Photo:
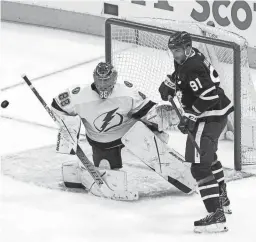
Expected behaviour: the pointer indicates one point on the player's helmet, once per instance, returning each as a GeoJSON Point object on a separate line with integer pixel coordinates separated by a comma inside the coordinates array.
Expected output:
{"type": "Point", "coordinates": [179, 39]}
{"type": "Point", "coordinates": [105, 77]}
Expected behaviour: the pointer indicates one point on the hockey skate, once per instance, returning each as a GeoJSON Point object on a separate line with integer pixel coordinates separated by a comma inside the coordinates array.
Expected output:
{"type": "Point", "coordinates": [224, 200]}
{"type": "Point", "coordinates": [213, 223]}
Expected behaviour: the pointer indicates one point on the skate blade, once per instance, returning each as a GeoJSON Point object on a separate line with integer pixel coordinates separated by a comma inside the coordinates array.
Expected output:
{"type": "Point", "coordinates": [227, 210]}
{"type": "Point", "coordinates": [213, 228]}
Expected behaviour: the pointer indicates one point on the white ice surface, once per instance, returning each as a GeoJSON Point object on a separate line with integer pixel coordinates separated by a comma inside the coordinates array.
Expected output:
{"type": "Point", "coordinates": [32, 213]}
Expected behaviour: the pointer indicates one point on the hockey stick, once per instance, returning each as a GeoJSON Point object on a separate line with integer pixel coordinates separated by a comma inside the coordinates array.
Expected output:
{"type": "Point", "coordinates": [190, 136]}
{"type": "Point", "coordinates": [104, 188]}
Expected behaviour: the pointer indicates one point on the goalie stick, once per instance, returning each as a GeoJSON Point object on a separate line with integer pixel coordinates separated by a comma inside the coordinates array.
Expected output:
{"type": "Point", "coordinates": [180, 117]}
{"type": "Point", "coordinates": [106, 191]}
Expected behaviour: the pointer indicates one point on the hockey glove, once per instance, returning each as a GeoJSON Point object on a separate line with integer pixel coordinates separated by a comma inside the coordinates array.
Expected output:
{"type": "Point", "coordinates": [187, 122]}
{"type": "Point", "coordinates": [160, 116]}
{"type": "Point", "coordinates": [167, 88]}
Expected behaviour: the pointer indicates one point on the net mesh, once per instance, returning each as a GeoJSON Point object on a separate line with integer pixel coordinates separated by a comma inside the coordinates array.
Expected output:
{"type": "Point", "coordinates": [142, 58]}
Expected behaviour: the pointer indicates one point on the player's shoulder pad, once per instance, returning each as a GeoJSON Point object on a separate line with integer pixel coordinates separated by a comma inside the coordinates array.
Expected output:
{"type": "Point", "coordinates": [128, 84]}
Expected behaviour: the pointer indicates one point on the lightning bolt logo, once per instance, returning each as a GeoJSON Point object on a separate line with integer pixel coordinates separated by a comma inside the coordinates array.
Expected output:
{"type": "Point", "coordinates": [110, 115]}
{"type": "Point", "coordinates": [108, 120]}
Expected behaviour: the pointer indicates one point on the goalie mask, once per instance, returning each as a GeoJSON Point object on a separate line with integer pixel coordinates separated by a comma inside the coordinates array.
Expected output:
{"type": "Point", "coordinates": [179, 45]}
{"type": "Point", "coordinates": [105, 77]}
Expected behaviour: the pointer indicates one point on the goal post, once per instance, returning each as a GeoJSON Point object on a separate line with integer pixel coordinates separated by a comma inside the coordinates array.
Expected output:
{"type": "Point", "coordinates": [137, 47]}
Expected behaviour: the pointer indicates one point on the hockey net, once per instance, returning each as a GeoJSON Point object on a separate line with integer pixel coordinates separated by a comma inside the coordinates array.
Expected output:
{"type": "Point", "coordinates": [141, 56]}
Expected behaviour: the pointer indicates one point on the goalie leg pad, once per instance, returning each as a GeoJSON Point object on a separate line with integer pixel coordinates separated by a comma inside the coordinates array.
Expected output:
{"type": "Point", "coordinates": [76, 176]}
{"type": "Point", "coordinates": [115, 179]}
{"type": "Point", "coordinates": [158, 156]}
{"type": "Point", "coordinates": [71, 174]}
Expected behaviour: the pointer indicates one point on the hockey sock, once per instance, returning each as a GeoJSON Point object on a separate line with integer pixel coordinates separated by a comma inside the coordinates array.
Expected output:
{"type": "Point", "coordinates": [209, 191]}
{"type": "Point", "coordinates": [217, 171]}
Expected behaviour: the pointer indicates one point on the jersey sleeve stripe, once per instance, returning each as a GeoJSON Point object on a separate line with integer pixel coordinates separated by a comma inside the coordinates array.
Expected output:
{"type": "Point", "coordinates": [228, 109]}
{"type": "Point", "coordinates": [209, 98]}
{"type": "Point", "coordinates": [207, 91]}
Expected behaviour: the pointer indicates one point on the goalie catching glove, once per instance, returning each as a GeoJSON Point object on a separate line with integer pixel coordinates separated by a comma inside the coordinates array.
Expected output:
{"type": "Point", "coordinates": [161, 115]}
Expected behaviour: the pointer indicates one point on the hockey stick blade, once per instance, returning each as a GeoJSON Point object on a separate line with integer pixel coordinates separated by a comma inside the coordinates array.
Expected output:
{"type": "Point", "coordinates": [106, 191]}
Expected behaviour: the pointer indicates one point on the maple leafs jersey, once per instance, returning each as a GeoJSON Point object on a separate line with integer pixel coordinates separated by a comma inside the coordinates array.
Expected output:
{"type": "Point", "coordinates": [199, 86]}
{"type": "Point", "coordinates": [105, 120]}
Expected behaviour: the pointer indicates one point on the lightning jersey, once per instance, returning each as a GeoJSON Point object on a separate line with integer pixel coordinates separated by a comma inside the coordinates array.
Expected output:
{"type": "Point", "coordinates": [199, 86]}
{"type": "Point", "coordinates": [105, 120]}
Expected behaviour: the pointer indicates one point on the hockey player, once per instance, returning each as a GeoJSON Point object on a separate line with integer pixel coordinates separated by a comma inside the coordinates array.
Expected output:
{"type": "Point", "coordinates": [107, 110]}
{"type": "Point", "coordinates": [206, 108]}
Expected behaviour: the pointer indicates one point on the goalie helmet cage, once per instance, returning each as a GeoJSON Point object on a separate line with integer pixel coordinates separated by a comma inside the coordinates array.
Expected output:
{"type": "Point", "coordinates": [138, 50]}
